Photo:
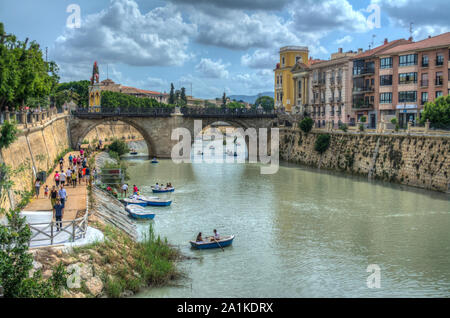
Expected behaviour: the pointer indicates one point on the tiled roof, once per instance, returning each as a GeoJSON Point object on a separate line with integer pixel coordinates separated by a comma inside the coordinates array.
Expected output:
{"type": "Point", "coordinates": [380, 49]}
{"type": "Point", "coordinates": [436, 41]}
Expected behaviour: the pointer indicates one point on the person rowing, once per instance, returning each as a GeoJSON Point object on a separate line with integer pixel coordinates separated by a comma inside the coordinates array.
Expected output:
{"type": "Point", "coordinates": [216, 236]}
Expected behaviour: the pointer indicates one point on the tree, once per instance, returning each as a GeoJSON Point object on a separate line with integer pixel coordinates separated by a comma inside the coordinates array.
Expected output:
{"type": "Point", "coordinates": [437, 112]}
{"type": "Point", "coordinates": [235, 105]}
{"type": "Point", "coordinates": [266, 102]}
{"type": "Point", "coordinates": [77, 91]}
{"type": "Point", "coordinates": [118, 146]}
{"type": "Point", "coordinates": [224, 100]}
{"type": "Point", "coordinates": [183, 97]}
{"type": "Point", "coordinates": [8, 132]}
{"type": "Point", "coordinates": [172, 95]}
{"type": "Point", "coordinates": [306, 125]}
{"type": "Point", "coordinates": [322, 143]}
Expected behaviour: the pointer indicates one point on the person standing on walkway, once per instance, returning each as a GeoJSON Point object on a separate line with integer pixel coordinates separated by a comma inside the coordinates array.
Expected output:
{"type": "Point", "coordinates": [37, 186]}
{"type": "Point", "coordinates": [125, 190]}
{"type": "Point", "coordinates": [53, 197]}
{"type": "Point", "coordinates": [62, 178]}
{"type": "Point", "coordinates": [69, 176]}
{"type": "Point", "coordinates": [87, 175]}
{"type": "Point", "coordinates": [74, 177]}
{"type": "Point", "coordinates": [63, 196]}
{"type": "Point", "coordinates": [57, 178]}
{"type": "Point", "coordinates": [59, 212]}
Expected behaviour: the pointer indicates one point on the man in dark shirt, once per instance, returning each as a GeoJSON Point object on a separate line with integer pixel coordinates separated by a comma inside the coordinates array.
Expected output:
{"type": "Point", "coordinates": [59, 212]}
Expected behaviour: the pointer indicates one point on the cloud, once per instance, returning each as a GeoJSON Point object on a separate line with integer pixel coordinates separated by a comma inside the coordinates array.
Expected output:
{"type": "Point", "coordinates": [236, 4]}
{"type": "Point", "coordinates": [212, 69]}
{"type": "Point", "coordinates": [345, 39]}
{"type": "Point", "coordinates": [122, 34]}
{"type": "Point", "coordinates": [327, 16]}
{"type": "Point", "coordinates": [260, 59]}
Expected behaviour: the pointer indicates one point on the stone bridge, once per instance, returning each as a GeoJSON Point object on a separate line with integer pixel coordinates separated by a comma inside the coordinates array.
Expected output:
{"type": "Point", "coordinates": [156, 125]}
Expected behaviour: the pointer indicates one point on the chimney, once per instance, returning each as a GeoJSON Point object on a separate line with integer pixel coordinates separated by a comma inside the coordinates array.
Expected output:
{"type": "Point", "coordinates": [429, 36]}
{"type": "Point", "coordinates": [340, 50]}
{"type": "Point", "coordinates": [386, 41]}
{"type": "Point", "coordinates": [410, 39]}
{"type": "Point", "coordinates": [360, 50]}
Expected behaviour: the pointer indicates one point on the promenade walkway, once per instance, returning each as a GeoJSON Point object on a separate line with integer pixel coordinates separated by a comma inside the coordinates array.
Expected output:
{"type": "Point", "coordinates": [76, 196]}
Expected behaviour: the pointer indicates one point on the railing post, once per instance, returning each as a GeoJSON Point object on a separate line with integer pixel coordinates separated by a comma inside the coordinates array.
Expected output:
{"type": "Point", "coordinates": [51, 233]}
{"type": "Point", "coordinates": [73, 231]}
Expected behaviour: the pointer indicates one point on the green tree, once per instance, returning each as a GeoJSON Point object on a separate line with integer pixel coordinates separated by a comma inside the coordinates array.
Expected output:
{"type": "Point", "coordinates": [266, 102]}
{"type": "Point", "coordinates": [322, 143]}
{"type": "Point", "coordinates": [172, 95]}
{"type": "Point", "coordinates": [306, 124]}
{"type": "Point", "coordinates": [183, 98]}
{"type": "Point", "coordinates": [119, 146]}
{"type": "Point", "coordinates": [8, 134]}
{"type": "Point", "coordinates": [77, 91]}
{"type": "Point", "coordinates": [437, 112]}
{"type": "Point", "coordinates": [224, 100]}
{"type": "Point", "coordinates": [235, 105]}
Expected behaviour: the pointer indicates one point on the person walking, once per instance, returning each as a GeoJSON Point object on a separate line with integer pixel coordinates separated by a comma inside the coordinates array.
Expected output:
{"type": "Point", "coordinates": [57, 178]}
{"type": "Point", "coordinates": [87, 174]}
{"type": "Point", "coordinates": [58, 209]}
{"type": "Point", "coordinates": [53, 197]}
{"type": "Point", "coordinates": [62, 178]}
{"type": "Point", "coordinates": [74, 177]}
{"type": "Point", "coordinates": [125, 190]}
{"type": "Point", "coordinates": [62, 193]}
{"type": "Point", "coordinates": [37, 186]}
{"type": "Point", "coordinates": [69, 176]}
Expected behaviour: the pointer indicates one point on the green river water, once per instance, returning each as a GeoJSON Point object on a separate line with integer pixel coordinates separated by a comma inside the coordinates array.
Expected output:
{"type": "Point", "coordinates": [299, 233]}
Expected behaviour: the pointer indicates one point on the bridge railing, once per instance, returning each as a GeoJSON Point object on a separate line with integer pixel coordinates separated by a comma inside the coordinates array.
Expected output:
{"type": "Point", "coordinates": [129, 111]}
{"type": "Point", "coordinates": [226, 113]}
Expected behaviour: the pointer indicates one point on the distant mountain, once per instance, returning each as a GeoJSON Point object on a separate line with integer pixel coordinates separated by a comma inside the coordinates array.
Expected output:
{"type": "Point", "coordinates": [250, 99]}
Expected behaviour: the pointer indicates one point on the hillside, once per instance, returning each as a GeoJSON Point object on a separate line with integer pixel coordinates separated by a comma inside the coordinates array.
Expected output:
{"type": "Point", "coordinates": [250, 99]}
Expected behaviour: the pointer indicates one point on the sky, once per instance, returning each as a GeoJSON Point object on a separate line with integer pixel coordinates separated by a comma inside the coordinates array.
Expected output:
{"type": "Point", "coordinates": [210, 46]}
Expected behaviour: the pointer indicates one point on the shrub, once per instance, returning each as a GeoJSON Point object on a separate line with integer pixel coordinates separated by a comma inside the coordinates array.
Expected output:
{"type": "Point", "coordinates": [343, 127]}
{"type": "Point", "coordinates": [395, 122]}
{"type": "Point", "coordinates": [119, 146]}
{"type": "Point", "coordinates": [322, 143]}
{"type": "Point", "coordinates": [361, 127]}
{"type": "Point", "coordinates": [8, 133]}
{"type": "Point", "coordinates": [306, 125]}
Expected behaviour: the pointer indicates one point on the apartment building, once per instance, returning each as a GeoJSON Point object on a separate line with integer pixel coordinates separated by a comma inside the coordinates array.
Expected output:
{"type": "Point", "coordinates": [412, 74]}
{"type": "Point", "coordinates": [284, 89]}
{"type": "Point", "coordinates": [330, 89]}
{"type": "Point", "coordinates": [366, 82]}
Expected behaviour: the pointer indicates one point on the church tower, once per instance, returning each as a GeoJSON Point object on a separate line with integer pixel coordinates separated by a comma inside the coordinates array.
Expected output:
{"type": "Point", "coordinates": [95, 93]}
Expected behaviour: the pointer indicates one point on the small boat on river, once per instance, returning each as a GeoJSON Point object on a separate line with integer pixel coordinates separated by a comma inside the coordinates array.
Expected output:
{"type": "Point", "coordinates": [155, 160]}
{"type": "Point", "coordinates": [207, 244]}
{"type": "Point", "coordinates": [138, 212]}
{"type": "Point", "coordinates": [134, 202]}
{"type": "Point", "coordinates": [154, 201]}
{"type": "Point", "coordinates": [163, 190]}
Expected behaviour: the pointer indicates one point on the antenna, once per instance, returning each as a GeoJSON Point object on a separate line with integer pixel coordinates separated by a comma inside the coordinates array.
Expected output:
{"type": "Point", "coordinates": [373, 40]}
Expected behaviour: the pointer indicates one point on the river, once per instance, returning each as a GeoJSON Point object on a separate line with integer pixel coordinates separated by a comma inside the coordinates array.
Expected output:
{"type": "Point", "coordinates": [300, 232]}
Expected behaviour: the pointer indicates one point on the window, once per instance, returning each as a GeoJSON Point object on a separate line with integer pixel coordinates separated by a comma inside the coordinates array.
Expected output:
{"type": "Point", "coordinates": [386, 98]}
{"type": "Point", "coordinates": [439, 78]}
{"type": "Point", "coordinates": [407, 78]}
{"type": "Point", "coordinates": [385, 80]}
{"type": "Point", "coordinates": [407, 60]}
{"type": "Point", "coordinates": [439, 94]}
{"type": "Point", "coordinates": [439, 59]}
{"type": "Point", "coordinates": [386, 62]}
{"type": "Point", "coordinates": [424, 80]}
{"type": "Point", "coordinates": [298, 59]}
{"type": "Point", "coordinates": [424, 98]}
{"type": "Point", "coordinates": [407, 96]}
{"type": "Point", "coordinates": [425, 61]}
{"type": "Point", "coordinates": [282, 61]}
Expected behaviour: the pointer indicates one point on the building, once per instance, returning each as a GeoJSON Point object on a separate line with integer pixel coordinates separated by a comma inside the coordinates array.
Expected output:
{"type": "Point", "coordinates": [410, 75]}
{"type": "Point", "coordinates": [284, 85]}
{"type": "Point", "coordinates": [109, 85]}
{"type": "Point", "coordinates": [327, 92]}
{"type": "Point", "coordinates": [366, 82]}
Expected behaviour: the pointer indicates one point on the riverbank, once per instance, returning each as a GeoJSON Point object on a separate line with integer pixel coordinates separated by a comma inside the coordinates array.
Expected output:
{"type": "Point", "coordinates": [418, 161]}
{"type": "Point", "coordinates": [120, 266]}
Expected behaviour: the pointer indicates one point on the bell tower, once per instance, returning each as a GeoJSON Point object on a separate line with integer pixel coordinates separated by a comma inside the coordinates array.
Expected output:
{"type": "Point", "coordinates": [95, 93]}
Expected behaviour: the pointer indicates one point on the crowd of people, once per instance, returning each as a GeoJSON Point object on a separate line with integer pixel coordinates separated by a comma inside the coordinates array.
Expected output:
{"type": "Point", "coordinates": [77, 173]}
{"type": "Point", "coordinates": [162, 187]}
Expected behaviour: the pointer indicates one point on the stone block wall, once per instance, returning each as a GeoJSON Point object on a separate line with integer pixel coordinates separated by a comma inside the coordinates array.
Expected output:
{"type": "Point", "coordinates": [419, 161]}
{"type": "Point", "coordinates": [110, 130]}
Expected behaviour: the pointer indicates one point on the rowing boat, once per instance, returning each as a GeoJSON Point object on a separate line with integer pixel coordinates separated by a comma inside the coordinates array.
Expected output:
{"type": "Point", "coordinates": [223, 242]}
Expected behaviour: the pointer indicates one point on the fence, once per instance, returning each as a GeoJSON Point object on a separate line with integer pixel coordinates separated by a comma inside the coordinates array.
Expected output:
{"type": "Point", "coordinates": [128, 111]}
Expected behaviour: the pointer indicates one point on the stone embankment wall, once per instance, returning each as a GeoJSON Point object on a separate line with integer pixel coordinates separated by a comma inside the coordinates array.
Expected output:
{"type": "Point", "coordinates": [35, 150]}
{"type": "Point", "coordinates": [419, 161]}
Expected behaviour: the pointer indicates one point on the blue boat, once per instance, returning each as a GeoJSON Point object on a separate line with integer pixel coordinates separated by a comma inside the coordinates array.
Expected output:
{"type": "Point", "coordinates": [134, 202]}
{"type": "Point", "coordinates": [141, 215]}
{"type": "Point", "coordinates": [223, 242]}
{"type": "Point", "coordinates": [163, 190]}
{"type": "Point", "coordinates": [155, 201]}
{"type": "Point", "coordinates": [155, 161]}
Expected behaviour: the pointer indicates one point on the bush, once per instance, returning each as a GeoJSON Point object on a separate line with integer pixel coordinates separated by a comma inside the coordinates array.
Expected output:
{"type": "Point", "coordinates": [343, 127]}
{"type": "Point", "coordinates": [8, 133]}
{"type": "Point", "coordinates": [361, 127]}
{"type": "Point", "coordinates": [437, 112]}
{"type": "Point", "coordinates": [306, 125]}
{"type": "Point", "coordinates": [322, 143]}
{"type": "Point", "coordinates": [119, 146]}
{"type": "Point", "coordinates": [394, 122]}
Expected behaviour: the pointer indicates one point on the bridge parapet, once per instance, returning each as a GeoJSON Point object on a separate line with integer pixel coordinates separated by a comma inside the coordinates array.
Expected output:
{"type": "Point", "coordinates": [226, 113]}
{"type": "Point", "coordinates": [124, 112]}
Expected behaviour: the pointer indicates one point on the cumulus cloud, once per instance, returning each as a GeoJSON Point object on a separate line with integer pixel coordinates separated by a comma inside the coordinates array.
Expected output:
{"type": "Point", "coordinates": [212, 69]}
{"type": "Point", "coordinates": [260, 59]}
{"type": "Point", "coordinates": [430, 17]}
{"type": "Point", "coordinates": [121, 33]}
{"type": "Point", "coordinates": [345, 39]}
{"type": "Point", "coordinates": [236, 4]}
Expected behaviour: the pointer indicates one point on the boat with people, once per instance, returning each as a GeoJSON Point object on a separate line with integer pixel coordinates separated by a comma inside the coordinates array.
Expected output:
{"type": "Point", "coordinates": [163, 190]}
{"type": "Point", "coordinates": [133, 152]}
{"type": "Point", "coordinates": [155, 160]}
{"type": "Point", "coordinates": [212, 147]}
{"type": "Point", "coordinates": [210, 244]}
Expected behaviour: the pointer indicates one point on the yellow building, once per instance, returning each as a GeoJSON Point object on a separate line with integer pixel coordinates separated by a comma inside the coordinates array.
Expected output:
{"type": "Point", "coordinates": [284, 84]}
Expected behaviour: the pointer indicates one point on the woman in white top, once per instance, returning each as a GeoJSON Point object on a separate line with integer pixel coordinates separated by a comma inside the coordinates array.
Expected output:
{"type": "Point", "coordinates": [37, 186]}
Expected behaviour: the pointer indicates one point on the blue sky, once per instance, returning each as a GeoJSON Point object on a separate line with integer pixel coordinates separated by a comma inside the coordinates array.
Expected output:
{"type": "Point", "coordinates": [217, 46]}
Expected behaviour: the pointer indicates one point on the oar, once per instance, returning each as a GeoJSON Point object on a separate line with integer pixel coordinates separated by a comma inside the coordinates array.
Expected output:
{"type": "Point", "coordinates": [219, 244]}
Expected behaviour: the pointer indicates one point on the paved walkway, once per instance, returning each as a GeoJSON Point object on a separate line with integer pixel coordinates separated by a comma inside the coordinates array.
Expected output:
{"type": "Point", "coordinates": [76, 196]}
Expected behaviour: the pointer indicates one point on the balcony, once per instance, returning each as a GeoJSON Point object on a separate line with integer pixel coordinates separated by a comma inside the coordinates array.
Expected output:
{"type": "Point", "coordinates": [363, 89]}
{"type": "Point", "coordinates": [424, 83]}
{"type": "Point", "coordinates": [362, 106]}
{"type": "Point", "coordinates": [363, 72]}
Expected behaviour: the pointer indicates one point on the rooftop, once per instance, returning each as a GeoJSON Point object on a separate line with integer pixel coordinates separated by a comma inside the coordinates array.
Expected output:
{"type": "Point", "coordinates": [431, 42]}
{"type": "Point", "coordinates": [294, 48]}
{"type": "Point", "coordinates": [381, 49]}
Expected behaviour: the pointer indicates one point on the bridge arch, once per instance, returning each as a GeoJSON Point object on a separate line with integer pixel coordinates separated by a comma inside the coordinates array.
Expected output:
{"type": "Point", "coordinates": [81, 128]}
